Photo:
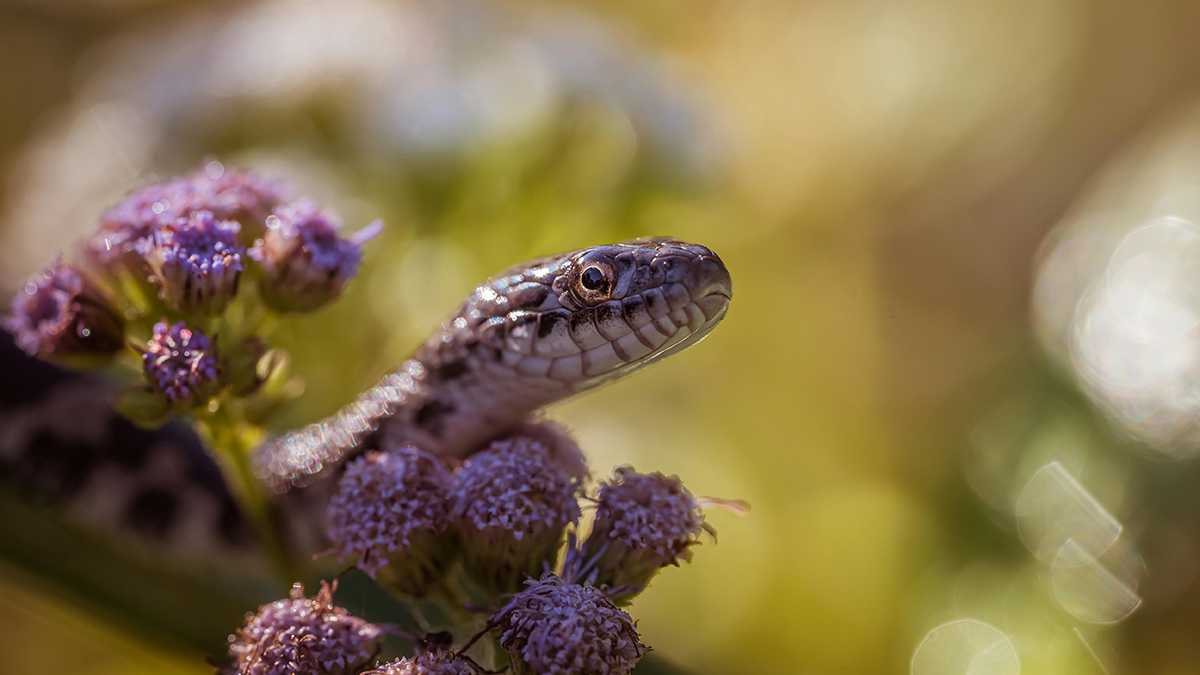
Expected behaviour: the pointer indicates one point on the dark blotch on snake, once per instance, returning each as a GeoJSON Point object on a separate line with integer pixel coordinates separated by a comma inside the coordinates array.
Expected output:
{"type": "Point", "coordinates": [429, 416]}
{"type": "Point", "coordinates": [451, 370]}
{"type": "Point", "coordinates": [152, 511]}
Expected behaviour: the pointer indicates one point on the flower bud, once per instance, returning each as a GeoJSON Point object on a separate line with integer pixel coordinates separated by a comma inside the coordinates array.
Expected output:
{"type": "Point", "coordinates": [232, 194]}
{"type": "Point", "coordinates": [305, 263]}
{"type": "Point", "coordinates": [558, 628]}
{"type": "Point", "coordinates": [511, 505]}
{"type": "Point", "coordinates": [242, 368]}
{"type": "Point", "coordinates": [643, 523]}
{"type": "Point", "coordinates": [58, 315]}
{"type": "Point", "coordinates": [227, 194]}
{"type": "Point", "coordinates": [126, 229]}
{"type": "Point", "coordinates": [196, 262]}
{"type": "Point", "coordinates": [181, 364]}
{"type": "Point", "coordinates": [390, 514]}
{"type": "Point", "coordinates": [303, 635]}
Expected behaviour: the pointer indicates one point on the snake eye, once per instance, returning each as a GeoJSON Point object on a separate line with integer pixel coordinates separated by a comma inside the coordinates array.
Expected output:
{"type": "Point", "coordinates": [593, 279]}
{"type": "Point", "coordinates": [594, 282]}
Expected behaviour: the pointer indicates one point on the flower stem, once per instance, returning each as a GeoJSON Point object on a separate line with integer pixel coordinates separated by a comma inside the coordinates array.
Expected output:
{"type": "Point", "coordinates": [232, 439]}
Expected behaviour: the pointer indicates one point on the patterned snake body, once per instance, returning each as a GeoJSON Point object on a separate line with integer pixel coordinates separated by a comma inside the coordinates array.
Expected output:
{"type": "Point", "coordinates": [533, 335]}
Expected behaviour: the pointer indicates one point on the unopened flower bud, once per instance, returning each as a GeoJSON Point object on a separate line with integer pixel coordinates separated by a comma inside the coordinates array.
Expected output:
{"type": "Point", "coordinates": [181, 364]}
{"type": "Point", "coordinates": [305, 262]}
{"type": "Point", "coordinates": [390, 515]}
{"type": "Point", "coordinates": [58, 315]}
{"type": "Point", "coordinates": [196, 262]}
{"type": "Point", "coordinates": [511, 504]}
{"type": "Point", "coordinates": [127, 228]}
{"type": "Point", "coordinates": [242, 368]}
{"type": "Point", "coordinates": [558, 628]}
{"type": "Point", "coordinates": [302, 635]}
{"type": "Point", "coordinates": [233, 194]}
{"type": "Point", "coordinates": [643, 523]}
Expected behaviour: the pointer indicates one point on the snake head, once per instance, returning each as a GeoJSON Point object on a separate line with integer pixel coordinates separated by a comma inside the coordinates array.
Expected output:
{"type": "Point", "coordinates": [591, 315]}
{"type": "Point", "coordinates": [523, 339]}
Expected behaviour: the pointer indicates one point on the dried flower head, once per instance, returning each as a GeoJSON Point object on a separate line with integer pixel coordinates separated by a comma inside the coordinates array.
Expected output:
{"type": "Point", "coordinates": [196, 262]}
{"type": "Point", "coordinates": [389, 513]}
{"type": "Point", "coordinates": [440, 662]}
{"type": "Point", "coordinates": [511, 505]}
{"type": "Point", "coordinates": [558, 628]}
{"type": "Point", "coordinates": [303, 635]}
{"type": "Point", "coordinates": [59, 315]}
{"type": "Point", "coordinates": [305, 262]}
{"type": "Point", "coordinates": [644, 521]}
{"type": "Point", "coordinates": [181, 363]}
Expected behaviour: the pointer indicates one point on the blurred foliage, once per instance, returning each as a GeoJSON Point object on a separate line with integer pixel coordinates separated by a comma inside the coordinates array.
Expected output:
{"type": "Point", "coordinates": [876, 176]}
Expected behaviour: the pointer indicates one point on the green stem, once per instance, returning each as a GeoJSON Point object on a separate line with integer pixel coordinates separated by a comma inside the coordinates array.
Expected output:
{"type": "Point", "coordinates": [232, 439]}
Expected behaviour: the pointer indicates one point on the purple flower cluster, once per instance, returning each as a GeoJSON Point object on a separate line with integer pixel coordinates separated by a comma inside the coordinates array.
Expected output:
{"type": "Point", "coordinates": [389, 512]}
{"type": "Point", "coordinates": [226, 194]}
{"type": "Point", "coordinates": [303, 635]}
{"type": "Point", "coordinates": [196, 262]}
{"type": "Point", "coordinates": [58, 314]}
{"type": "Point", "coordinates": [189, 235]}
{"type": "Point", "coordinates": [558, 628]}
{"type": "Point", "coordinates": [644, 521]}
{"type": "Point", "coordinates": [305, 263]}
{"type": "Point", "coordinates": [511, 505]}
{"type": "Point", "coordinates": [504, 511]}
{"type": "Point", "coordinates": [191, 241]}
{"type": "Point", "coordinates": [181, 363]}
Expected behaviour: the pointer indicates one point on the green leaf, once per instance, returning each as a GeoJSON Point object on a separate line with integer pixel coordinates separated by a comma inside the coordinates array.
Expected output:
{"type": "Point", "coordinates": [143, 407]}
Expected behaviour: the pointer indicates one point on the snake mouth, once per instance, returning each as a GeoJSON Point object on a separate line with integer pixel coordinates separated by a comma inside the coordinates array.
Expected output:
{"type": "Point", "coordinates": [713, 305]}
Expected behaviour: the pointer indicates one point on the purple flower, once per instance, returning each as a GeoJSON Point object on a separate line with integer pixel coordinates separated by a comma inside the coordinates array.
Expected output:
{"type": "Point", "coordinates": [196, 262]}
{"type": "Point", "coordinates": [126, 227]}
{"type": "Point", "coordinates": [303, 636]}
{"type": "Point", "coordinates": [511, 505]}
{"type": "Point", "coordinates": [229, 195]}
{"type": "Point", "coordinates": [439, 662]}
{"type": "Point", "coordinates": [181, 364]}
{"type": "Point", "coordinates": [389, 513]}
{"type": "Point", "coordinates": [305, 263]}
{"type": "Point", "coordinates": [564, 450]}
{"type": "Point", "coordinates": [558, 628]}
{"type": "Point", "coordinates": [59, 315]}
{"type": "Point", "coordinates": [643, 522]}
{"type": "Point", "coordinates": [237, 195]}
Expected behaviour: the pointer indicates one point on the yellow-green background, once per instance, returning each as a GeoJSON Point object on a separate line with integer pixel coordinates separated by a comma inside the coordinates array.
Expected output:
{"type": "Point", "coordinates": [886, 171]}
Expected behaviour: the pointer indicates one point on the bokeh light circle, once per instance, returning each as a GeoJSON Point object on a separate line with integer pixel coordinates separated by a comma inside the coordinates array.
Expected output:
{"type": "Point", "coordinates": [966, 647]}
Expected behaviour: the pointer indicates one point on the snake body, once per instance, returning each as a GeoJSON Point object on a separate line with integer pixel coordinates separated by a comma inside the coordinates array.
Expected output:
{"type": "Point", "coordinates": [528, 337]}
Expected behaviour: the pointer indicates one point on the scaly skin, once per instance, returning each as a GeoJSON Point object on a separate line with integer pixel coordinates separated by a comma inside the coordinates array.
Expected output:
{"type": "Point", "coordinates": [535, 334]}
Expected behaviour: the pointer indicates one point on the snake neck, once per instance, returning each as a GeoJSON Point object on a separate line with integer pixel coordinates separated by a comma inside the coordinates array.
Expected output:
{"type": "Point", "coordinates": [462, 392]}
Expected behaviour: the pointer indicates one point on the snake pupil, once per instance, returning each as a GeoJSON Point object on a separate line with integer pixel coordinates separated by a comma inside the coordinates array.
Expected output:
{"type": "Point", "coordinates": [593, 279]}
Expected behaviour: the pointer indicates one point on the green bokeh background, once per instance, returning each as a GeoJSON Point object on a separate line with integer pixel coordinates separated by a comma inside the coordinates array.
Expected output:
{"type": "Point", "coordinates": [877, 176]}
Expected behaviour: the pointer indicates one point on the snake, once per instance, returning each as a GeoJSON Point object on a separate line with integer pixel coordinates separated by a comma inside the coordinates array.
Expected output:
{"type": "Point", "coordinates": [528, 337]}
{"type": "Point", "coordinates": [532, 335]}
